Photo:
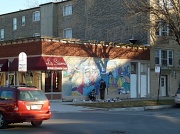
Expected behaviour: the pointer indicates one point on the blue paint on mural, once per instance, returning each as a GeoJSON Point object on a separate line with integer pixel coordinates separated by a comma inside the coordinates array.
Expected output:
{"type": "Point", "coordinates": [84, 75]}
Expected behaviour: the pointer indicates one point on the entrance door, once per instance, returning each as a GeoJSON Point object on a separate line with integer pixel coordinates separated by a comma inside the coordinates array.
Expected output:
{"type": "Point", "coordinates": [163, 86]}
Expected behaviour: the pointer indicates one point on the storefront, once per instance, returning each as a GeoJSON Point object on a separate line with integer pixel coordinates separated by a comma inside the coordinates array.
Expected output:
{"type": "Point", "coordinates": [43, 72]}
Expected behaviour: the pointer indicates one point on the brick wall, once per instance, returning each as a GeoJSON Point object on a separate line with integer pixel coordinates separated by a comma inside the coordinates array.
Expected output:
{"type": "Point", "coordinates": [71, 49]}
{"type": "Point", "coordinates": [6, 23]}
{"type": "Point", "coordinates": [13, 50]}
{"type": "Point", "coordinates": [68, 49]}
{"type": "Point", "coordinates": [102, 20]}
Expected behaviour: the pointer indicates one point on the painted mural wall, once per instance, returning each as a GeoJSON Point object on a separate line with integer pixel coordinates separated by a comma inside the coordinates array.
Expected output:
{"type": "Point", "coordinates": [84, 74]}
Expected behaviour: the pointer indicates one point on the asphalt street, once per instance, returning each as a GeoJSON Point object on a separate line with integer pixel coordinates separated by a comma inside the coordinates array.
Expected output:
{"type": "Point", "coordinates": [62, 107]}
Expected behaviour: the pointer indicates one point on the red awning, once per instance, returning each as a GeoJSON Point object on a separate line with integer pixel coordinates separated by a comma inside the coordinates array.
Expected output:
{"type": "Point", "coordinates": [3, 65]}
{"type": "Point", "coordinates": [41, 63]}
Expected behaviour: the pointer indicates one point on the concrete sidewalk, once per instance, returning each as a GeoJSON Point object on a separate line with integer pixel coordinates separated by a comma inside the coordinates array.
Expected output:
{"type": "Point", "coordinates": [65, 107]}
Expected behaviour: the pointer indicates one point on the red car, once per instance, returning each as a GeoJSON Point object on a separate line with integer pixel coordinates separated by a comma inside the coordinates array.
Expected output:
{"type": "Point", "coordinates": [23, 104]}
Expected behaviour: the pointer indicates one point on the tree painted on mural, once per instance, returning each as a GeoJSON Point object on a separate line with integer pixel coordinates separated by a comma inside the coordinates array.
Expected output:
{"type": "Point", "coordinates": [164, 16]}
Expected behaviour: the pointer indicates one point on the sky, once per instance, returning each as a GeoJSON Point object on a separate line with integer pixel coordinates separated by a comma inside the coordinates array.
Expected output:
{"type": "Point", "coordinates": [16, 5]}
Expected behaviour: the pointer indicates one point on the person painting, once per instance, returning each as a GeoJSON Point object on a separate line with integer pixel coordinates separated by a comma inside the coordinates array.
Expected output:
{"type": "Point", "coordinates": [102, 89]}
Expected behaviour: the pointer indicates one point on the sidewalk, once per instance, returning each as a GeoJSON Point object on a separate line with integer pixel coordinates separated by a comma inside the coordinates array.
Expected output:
{"type": "Point", "coordinates": [65, 107]}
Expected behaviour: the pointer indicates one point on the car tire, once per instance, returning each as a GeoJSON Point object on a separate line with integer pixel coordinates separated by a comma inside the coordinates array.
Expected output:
{"type": "Point", "coordinates": [3, 123]}
{"type": "Point", "coordinates": [36, 123]}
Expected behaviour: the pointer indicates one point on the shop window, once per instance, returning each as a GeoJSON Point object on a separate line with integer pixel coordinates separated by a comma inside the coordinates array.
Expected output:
{"type": "Point", "coordinates": [52, 82]}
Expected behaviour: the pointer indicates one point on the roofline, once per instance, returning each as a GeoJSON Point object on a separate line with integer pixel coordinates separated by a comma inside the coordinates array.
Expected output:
{"type": "Point", "coordinates": [73, 41]}
{"type": "Point", "coordinates": [35, 7]}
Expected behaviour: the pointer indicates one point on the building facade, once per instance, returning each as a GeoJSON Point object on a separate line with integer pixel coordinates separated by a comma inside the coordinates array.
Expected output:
{"type": "Point", "coordinates": [98, 22]}
{"type": "Point", "coordinates": [69, 70]}
{"type": "Point", "coordinates": [86, 20]}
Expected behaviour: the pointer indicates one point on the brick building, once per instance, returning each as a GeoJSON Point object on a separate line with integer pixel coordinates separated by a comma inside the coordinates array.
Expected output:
{"type": "Point", "coordinates": [89, 22]}
{"type": "Point", "coordinates": [68, 70]}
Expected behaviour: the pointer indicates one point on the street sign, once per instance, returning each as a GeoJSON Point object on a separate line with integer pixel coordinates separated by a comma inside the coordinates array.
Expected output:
{"type": "Point", "coordinates": [157, 69]}
{"type": "Point", "coordinates": [22, 64]}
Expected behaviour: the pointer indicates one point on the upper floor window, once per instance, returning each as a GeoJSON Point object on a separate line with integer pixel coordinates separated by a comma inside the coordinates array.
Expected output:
{"type": "Point", "coordinates": [162, 29]}
{"type": "Point", "coordinates": [23, 20]}
{"type": "Point", "coordinates": [164, 57]}
{"type": "Point", "coordinates": [2, 35]}
{"type": "Point", "coordinates": [67, 10]}
{"type": "Point", "coordinates": [36, 16]}
{"type": "Point", "coordinates": [14, 23]}
{"type": "Point", "coordinates": [166, 4]}
{"type": "Point", "coordinates": [67, 33]}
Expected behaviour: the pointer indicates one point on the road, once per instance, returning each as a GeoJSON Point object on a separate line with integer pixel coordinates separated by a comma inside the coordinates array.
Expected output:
{"type": "Point", "coordinates": [166, 121]}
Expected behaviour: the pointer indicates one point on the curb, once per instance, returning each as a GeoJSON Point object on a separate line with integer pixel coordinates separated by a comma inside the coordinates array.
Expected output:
{"type": "Point", "coordinates": [157, 107]}
{"type": "Point", "coordinates": [141, 108]}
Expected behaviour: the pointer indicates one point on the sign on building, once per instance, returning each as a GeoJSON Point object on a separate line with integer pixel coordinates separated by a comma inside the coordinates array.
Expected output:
{"type": "Point", "coordinates": [22, 62]}
{"type": "Point", "coordinates": [157, 69]}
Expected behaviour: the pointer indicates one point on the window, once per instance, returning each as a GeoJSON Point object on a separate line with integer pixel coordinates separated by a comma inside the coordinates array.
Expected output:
{"type": "Point", "coordinates": [67, 10]}
{"type": "Point", "coordinates": [133, 68]}
{"type": "Point", "coordinates": [164, 57]}
{"type": "Point", "coordinates": [31, 95]}
{"type": "Point", "coordinates": [144, 68]}
{"type": "Point", "coordinates": [67, 33]}
{"type": "Point", "coordinates": [14, 23]}
{"type": "Point", "coordinates": [2, 35]}
{"type": "Point", "coordinates": [162, 29]}
{"type": "Point", "coordinates": [165, 4]}
{"type": "Point", "coordinates": [36, 16]}
{"type": "Point", "coordinates": [179, 58]}
{"type": "Point", "coordinates": [157, 61]}
{"type": "Point", "coordinates": [6, 95]}
{"type": "Point", "coordinates": [23, 20]}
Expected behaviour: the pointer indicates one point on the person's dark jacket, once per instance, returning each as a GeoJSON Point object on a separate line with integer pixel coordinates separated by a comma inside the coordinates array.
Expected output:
{"type": "Point", "coordinates": [102, 85]}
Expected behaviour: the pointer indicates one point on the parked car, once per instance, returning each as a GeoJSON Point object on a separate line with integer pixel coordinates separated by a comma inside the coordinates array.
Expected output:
{"type": "Point", "coordinates": [20, 104]}
{"type": "Point", "coordinates": [177, 97]}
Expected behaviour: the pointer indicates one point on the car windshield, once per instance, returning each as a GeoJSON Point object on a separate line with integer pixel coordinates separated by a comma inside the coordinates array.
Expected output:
{"type": "Point", "coordinates": [31, 95]}
{"type": "Point", "coordinates": [178, 91]}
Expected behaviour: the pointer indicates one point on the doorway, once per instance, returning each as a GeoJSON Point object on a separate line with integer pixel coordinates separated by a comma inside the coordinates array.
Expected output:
{"type": "Point", "coordinates": [163, 90]}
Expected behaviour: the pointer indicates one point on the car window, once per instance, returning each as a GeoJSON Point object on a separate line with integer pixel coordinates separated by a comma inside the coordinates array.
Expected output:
{"type": "Point", "coordinates": [6, 95]}
{"type": "Point", "coordinates": [31, 95]}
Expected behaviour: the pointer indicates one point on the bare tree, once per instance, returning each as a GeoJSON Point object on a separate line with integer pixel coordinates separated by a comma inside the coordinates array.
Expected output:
{"type": "Point", "coordinates": [160, 14]}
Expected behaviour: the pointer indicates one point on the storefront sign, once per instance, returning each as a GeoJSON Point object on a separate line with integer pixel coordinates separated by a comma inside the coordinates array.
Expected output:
{"type": "Point", "coordinates": [54, 61]}
{"type": "Point", "coordinates": [22, 64]}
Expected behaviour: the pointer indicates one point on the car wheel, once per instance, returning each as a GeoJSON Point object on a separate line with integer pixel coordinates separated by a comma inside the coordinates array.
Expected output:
{"type": "Point", "coordinates": [3, 123]}
{"type": "Point", "coordinates": [36, 123]}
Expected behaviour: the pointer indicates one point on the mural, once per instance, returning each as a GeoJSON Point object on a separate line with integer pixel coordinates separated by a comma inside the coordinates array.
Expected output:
{"type": "Point", "coordinates": [84, 74]}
